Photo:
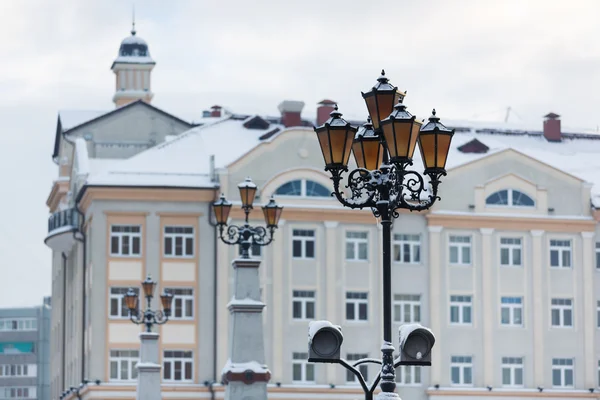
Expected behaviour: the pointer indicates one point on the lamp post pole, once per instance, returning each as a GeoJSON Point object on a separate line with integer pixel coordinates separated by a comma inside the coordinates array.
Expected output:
{"type": "Point", "coordinates": [245, 372]}
{"type": "Point", "coordinates": [149, 379]}
{"type": "Point", "coordinates": [383, 149]}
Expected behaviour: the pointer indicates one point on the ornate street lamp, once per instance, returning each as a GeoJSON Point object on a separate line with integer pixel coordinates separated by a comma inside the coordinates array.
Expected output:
{"type": "Point", "coordinates": [247, 235]}
{"type": "Point", "coordinates": [383, 149]}
{"type": "Point", "coordinates": [148, 316]}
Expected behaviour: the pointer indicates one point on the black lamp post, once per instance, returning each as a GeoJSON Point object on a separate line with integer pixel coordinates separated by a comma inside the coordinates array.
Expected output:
{"type": "Point", "coordinates": [148, 316]}
{"type": "Point", "coordinates": [77, 390]}
{"type": "Point", "coordinates": [383, 149]}
{"type": "Point", "coordinates": [247, 235]}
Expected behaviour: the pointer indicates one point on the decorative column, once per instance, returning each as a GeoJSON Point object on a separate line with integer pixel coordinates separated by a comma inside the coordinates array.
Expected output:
{"type": "Point", "coordinates": [487, 294]}
{"type": "Point", "coordinates": [332, 282]}
{"type": "Point", "coordinates": [589, 310]}
{"type": "Point", "coordinates": [245, 372]}
{"type": "Point", "coordinates": [539, 307]}
{"type": "Point", "coordinates": [435, 301]}
{"type": "Point", "coordinates": [149, 379]}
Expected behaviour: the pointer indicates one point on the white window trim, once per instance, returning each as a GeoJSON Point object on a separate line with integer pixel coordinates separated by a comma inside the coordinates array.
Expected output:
{"type": "Point", "coordinates": [21, 371]}
{"type": "Point", "coordinates": [32, 322]}
{"type": "Point", "coordinates": [355, 242]}
{"type": "Point", "coordinates": [303, 240]}
{"type": "Point", "coordinates": [402, 304]}
{"type": "Point", "coordinates": [461, 367]}
{"type": "Point", "coordinates": [172, 361]}
{"type": "Point", "coordinates": [513, 368]}
{"type": "Point", "coordinates": [597, 262]}
{"type": "Point", "coordinates": [460, 246]}
{"type": "Point", "coordinates": [511, 312]}
{"type": "Point", "coordinates": [184, 236]}
{"type": "Point", "coordinates": [562, 369]}
{"type": "Point", "coordinates": [303, 302]}
{"type": "Point", "coordinates": [131, 361]}
{"type": "Point", "coordinates": [561, 308]}
{"type": "Point", "coordinates": [302, 194]}
{"type": "Point", "coordinates": [461, 305]}
{"type": "Point", "coordinates": [401, 380]}
{"type": "Point", "coordinates": [125, 236]}
{"type": "Point", "coordinates": [560, 250]}
{"type": "Point", "coordinates": [363, 368]}
{"type": "Point", "coordinates": [356, 303]}
{"type": "Point", "coordinates": [510, 248]}
{"type": "Point", "coordinates": [413, 245]}
{"type": "Point", "coordinates": [510, 200]}
{"type": "Point", "coordinates": [120, 299]}
{"type": "Point", "coordinates": [304, 363]}
{"type": "Point", "coordinates": [183, 298]}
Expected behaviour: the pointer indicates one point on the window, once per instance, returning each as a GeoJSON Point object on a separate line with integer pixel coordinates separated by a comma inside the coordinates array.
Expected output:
{"type": "Point", "coordinates": [460, 250]}
{"type": "Point", "coordinates": [560, 253]}
{"type": "Point", "coordinates": [179, 241]}
{"type": "Point", "coordinates": [357, 244]}
{"type": "Point", "coordinates": [598, 313]}
{"type": "Point", "coordinates": [598, 255]}
{"type": "Point", "coordinates": [303, 304]}
{"type": "Point", "coordinates": [461, 309]}
{"type": "Point", "coordinates": [178, 366]}
{"type": "Point", "coordinates": [512, 371]}
{"type": "Point", "coordinates": [18, 392]}
{"type": "Point", "coordinates": [363, 368]}
{"type": "Point", "coordinates": [511, 311]}
{"type": "Point", "coordinates": [461, 370]}
{"type": "Point", "coordinates": [18, 324]}
{"type": "Point", "coordinates": [182, 306]}
{"type": "Point", "coordinates": [408, 375]}
{"type": "Point", "coordinates": [510, 252]}
{"type": "Point", "coordinates": [118, 308]}
{"type": "Point", "coordinates": [22, 370]}
{"type": "Point", "coordinates": [303, 243]}
{"type": "Point", "coordinates": [509, 197]}
{"type": "Point", "coordinates": [125, 240]}
{"type": "Point", "coordinates": [407, 248]}
{"type": "Point", "coordinates": [123, 365]}
{"type": "Point", "coordinates": [356, 306]}
{"type": "Point", "coordinates": [302, 371]}
{"type": "Point", "coordinates": [303, 188]}
{"type": "Point", "coordinates": [562, 312]}
{"type": "Point", "coordinates": [562, 372]}
{"type": "Point", "coordinates": [255, 250]}
{"type": "Point", "coordinates": [407, 308]}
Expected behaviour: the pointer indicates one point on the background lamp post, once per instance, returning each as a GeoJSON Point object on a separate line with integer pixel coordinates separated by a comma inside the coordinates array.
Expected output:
{"type": "Point", "coordinates": [383, 183]}
{"type": "Point", "coordinates": [148, 316]}
{"type": "Point", "coordinates": [247, 235]}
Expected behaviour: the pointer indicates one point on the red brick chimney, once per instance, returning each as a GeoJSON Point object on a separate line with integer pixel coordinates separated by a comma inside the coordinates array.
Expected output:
{"type": "Point", "coordinates": [290, 112]}
{"type": "Point", "coordinates": [325, 107]}
{"type": "Point", "coordinates": [215, 111]}
{"type": "Point", "coordinates": [552, 127]}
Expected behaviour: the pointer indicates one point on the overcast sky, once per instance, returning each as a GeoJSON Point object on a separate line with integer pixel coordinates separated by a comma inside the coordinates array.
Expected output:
{"type": "Point", "coordinates": [470, 59]}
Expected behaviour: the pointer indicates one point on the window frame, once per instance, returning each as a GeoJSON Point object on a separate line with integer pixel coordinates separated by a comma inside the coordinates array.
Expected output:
{"type": "Point", "coordinates": [185, 300]}
{"type": "Point", "coordinates": [511, 307]}
{"type": "Point", "coordinates": [512, 367]}
{"type": "Point", "coordinates": [462, 366]}
{"type": "Point", "coordinates": [562, 308]}
{"type": "Point", "coordinates": [118, 297]}
{"type": "Point", "coordinates": [597, 260]}
{"type": "Point", "coordinates": [304, 301]}
{"type": "Point", "coordinates": [461, 305]}
{"type": "Point", "coordinates": [173, 236]}
{"type": "Point", "coordinates": [355, 243]}
{"type": "Point", "coordinates": [356, 299]}
{"type": "Point", "coordinates": [400, 243]}
{"type": "Point", "coordinates": [301, 359]}
{"type": "Point", "coordinates": [460, 245]}
{"type": "Point", "coordinates": [563, 368]}
{"type": "Point", "coordinates": [401, 375]}
{"type": "Point", "coordinates": [303, 189]}
{"type": "Point", "coordinates": [511, 248]}
{"type": "Point", "coordinates": [255, 251]}
{"type": "Point", "coordinates": [184, 360]}
{"type": "Point", "coordinates": [399, 303]}
{"type": "Point", "coordinates": [129, 237]}
{"type": "Point", "coordinates": [510, 199]}
{"type": "Point", "coordinates": [131, 361]}
{"type": "Point", "coordinates": [363, 368]}
{"type": "Point", "coordinates": [304, 239]}
{"type": "Point", "coordinates": [560, 249]}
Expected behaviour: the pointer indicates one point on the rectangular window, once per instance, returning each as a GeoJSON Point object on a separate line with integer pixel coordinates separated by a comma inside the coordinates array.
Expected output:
{"type": "Point", "coordinates": [512, 371]}
{"type": "Point", "coordinates": [598, 256]}
{"type": "Point", "coordinates": [302, 371]}
{"type": "Point", "coordinates": [461, 370]}
{"type": "Point", "coordinates": [460, 250]}
{"type": "Point", "coordinates": [178, 366]}
{"type": "Point", "coordinates": [356, 306]}
{"type": "Point", "coordinates": [598, 313]}
{"type": "Point", "coordinates": [19, 370]}
{"type": "Point", "coordinates": [461, 309]}
{"type": "Point", "coordinates": [562, 372]}
{"type": "Point", "coordinates": [407, 248]}
{"type": "Point", "coordinates": [125, 240]}
{"type": "Point", "coordinates": [560, 253]}
{"type": "Point", "coordinates": [18, 324]}
{"type": "Point", "coordinates": [561, 312]}
{"type": "Point", "coordinates": [357, 245]}
{"type": "Point", "coordinates": [14, 392]}
{"type": "Point", "coordinates": [182, 306]}
{"type": "Point", "coordinates": [123, 365]}
{"type": "Point", "coordinates": [179, 241]}
{"type": "Point", "coordinates": [117, 306]}
{"type": "Point", "coordinates": [511, 311]}
{"type": "Point", "coordinates": [364, 370]}
{"type": "Point", "coordinates": [407, 308]}
{"type": "Point", "coordinates": [510, 252]}
{"type": "Point", "coordinates": [303, 304]}
{"type": "Point", "coordinates": [408, 375]}
{"type": "Point", "coordinates": [255, 251]}
{"type": "Point", "coordinates": [303, 243]}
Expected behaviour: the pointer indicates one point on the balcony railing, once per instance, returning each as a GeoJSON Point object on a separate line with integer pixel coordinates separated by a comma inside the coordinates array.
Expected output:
{"type": "Point", "coordinates": [61, 228]}
{"type": "Point", "coordinates": [62, 219]}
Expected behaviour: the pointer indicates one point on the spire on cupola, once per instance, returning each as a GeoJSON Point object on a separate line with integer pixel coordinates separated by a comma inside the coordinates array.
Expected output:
{"type": "Point", "coordinates": [133, 69]}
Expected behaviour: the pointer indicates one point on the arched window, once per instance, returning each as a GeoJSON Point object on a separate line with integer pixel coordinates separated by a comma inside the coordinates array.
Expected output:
{"type": "Point", "coordinates": [510, 198]}
{"type": "Point", "coordinates": [303, 188]}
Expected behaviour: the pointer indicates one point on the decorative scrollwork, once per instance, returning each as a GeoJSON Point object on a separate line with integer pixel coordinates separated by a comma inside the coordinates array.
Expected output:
{"type": "Point", "coordinates": [149, 318]}
{"type": "Point", "coordinates": [246, 236]}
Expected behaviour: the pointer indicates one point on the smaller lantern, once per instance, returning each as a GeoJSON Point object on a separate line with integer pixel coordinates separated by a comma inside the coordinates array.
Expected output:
{"type": "Point", "coordinates": [247, 192]}
{"type": "Point", "coordinates": [221, 208]}
{"type": "Point", "coordinates": [335, 138]}
{"type": "Point", "coordinates": [148, 285]}
{"type": "Point", "coordinates": [272, 213]}
{"type": "Point", "coordinates": [131, 300]}
{"type": "Point", "coordinates": [380, 99]}
{"type": "Point", "coordinates": [367, 147]}
{"type": "Point", "coordinates": [434, 142]}
{"type": "Point", "coordinates": [166, 299]}
{"type": "Point", "coordinates": [400, 131]}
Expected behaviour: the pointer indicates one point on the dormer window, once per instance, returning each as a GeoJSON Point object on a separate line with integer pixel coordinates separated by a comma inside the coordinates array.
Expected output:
{"type": "Point", "coordinates": [303, 188]}
{"type": "Point", "coordinates": [509, 198]}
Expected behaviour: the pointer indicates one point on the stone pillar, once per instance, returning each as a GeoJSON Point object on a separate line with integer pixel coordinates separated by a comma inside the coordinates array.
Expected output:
{"type": "Point", "coordinates": [245, 372]}
{"type": "Point", "coordinates": [435, 298]}
{"type": "Point", "coordinates": [331, 289]}
{"type": "Point", "coordinates": [589, 310]}
{"type": "Point", "coordinates": [148, 381]}
{"type": "Point", "coordinates": [487, 295]}
{"type": "Point", "coordinates": [540, 307]}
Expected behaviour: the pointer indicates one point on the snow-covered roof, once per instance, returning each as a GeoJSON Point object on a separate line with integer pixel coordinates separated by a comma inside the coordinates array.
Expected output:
{"type": "Point", "coordinates": [70, 119]}
{"type": "Point", "coordinates": [135, 60]}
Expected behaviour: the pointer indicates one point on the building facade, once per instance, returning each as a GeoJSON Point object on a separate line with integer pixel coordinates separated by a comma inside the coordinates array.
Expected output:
{"type": "Point", "coordinates": [505, 269]}
{"type": "Point", "coordinates": [25, 352]}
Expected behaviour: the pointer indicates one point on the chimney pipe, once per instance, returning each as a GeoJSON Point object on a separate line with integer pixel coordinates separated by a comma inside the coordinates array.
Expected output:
{"type": "Point", "coordinates": [552, 131]}
{"type": "Point", "coordinates": [325, 107]}
{"type": "Point", "coordinates": [290, 112]}
{"type": "Point", "coordinates": [215, 111]}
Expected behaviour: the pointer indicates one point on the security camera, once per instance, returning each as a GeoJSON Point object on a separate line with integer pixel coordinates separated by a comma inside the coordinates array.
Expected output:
{"type": "Point", "coordinates": [416, 342]}
{"type": "Point", "coordinates": [324, 342]}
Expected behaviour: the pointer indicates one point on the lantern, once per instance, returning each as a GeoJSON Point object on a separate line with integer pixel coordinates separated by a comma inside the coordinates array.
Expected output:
{"type": "Point", "coordinates": [335, 138]}
{"type": "Point", "coordinates": [400, 131]}
{"type": "Point", "coordinates": [272, 213]}
{"type": "Point", "coordinates": [367, 147]}
{"type": "Point", "coordinates": [434, 142]}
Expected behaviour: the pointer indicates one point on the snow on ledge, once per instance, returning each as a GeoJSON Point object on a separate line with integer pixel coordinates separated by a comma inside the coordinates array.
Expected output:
{"type": "Point", "coordinates": [240, 368]}
{"type": "Point", "coordinates": [245, 302]}
{"type": "Point", "coordinates": [315, 326]}
{"type": "Point", "coordinates": [81, 152]}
